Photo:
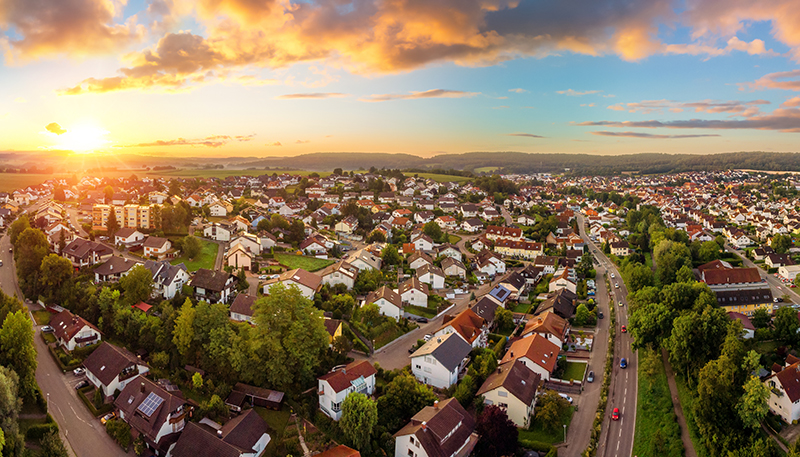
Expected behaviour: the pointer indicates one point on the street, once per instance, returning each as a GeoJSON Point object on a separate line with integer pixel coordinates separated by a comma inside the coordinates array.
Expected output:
{"type": "Point", "coordinates": [779, 289]}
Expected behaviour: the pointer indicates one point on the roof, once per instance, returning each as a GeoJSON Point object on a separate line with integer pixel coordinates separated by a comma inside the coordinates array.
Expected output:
{"type": "Point", "coordinates": [66, 325]}
{"type": "Point", "coordinates": [154, 242]}
{"type": "Point", "coordinates": [115, 265]}
{"type": "Point", "coordinates": [142, 306]}
{"type": "Point", "coordinates": [562, 302]}
{"type": "Point", "coordinates": [257, 392]}
{"type": "Point", "coordinates": [81, 248]}
{"type": "Point", "coordinates": [449, 350]}
{"type": "Point", "coordinates": [732, 276]}
{"type": "Point", "coordinates": [546, 322]}
{"type": "Point", "coordinates": [125, 232]}
{"type": "Point", "coordinates": [744, 319]}
{"type": "Point", "coordinates": [243, 304]}
{"type": "Point", "coordinates": [342, 267]}
{"type": "Point", "coordinates": [340, 451]}
{"type": "Point", "coordinates": [108, 361]}
{"type": "Point", "coordinates": [443, 429]}
{"type": "Point", "coordinates": [413, 283]}
{"type": "Point", "coordinates": [331, 325]}
{"type": "Point", "coordinates": [164, 272]}
{"type": "Point", "coordinates": [245, 430]}
{"type": "Point", "coordinates": [715, 265]}
{"type": "Point", "coordinates": [743, 297]}
{"type": "Point", "coordinates": [344, 378]}
{"type": "Point", "coordinates": [135, 393]}
{"type": "Point", "coordinates": [536, 348]}
{"type": "Point", "coordinates": [789, 378]}
{"type": "Point", "coordinates": [210, 279]}
{"type": "Point", "coordinates": [486, 308]}
{"type": "Point", "coordinates": [514, 377]}
{"type": "Point", "coordinates": [448, 262]}
{"type": "Point", "coordinates": [467, 323]}
{"type": "Point", "coordinates": [386, 293]}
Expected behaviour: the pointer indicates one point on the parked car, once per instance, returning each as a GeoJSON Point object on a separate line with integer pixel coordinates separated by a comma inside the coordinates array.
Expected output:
{"type": "Point", "coordinates": [107, 418]}
{"type": "Point", "coordinates": [624, 329]}
{"type": "Point", "coordinates": [427, 337]}
{"type": "Point", "coordinates": [79, 371]}
{"type": "Point", "coordinates": [623, 363]}
{"type": "Point", "coordinates": [423, 320]}
{"type": "Point", "coordinates": [590, 377]}
{"type": "Point", "coordinates": [613, 276]}
{"type": "Point", "coordinates": [47, 329]}
{"type": "Point", "coordinates": [615, 414]}
{"type": "Point", "coordinates": [81, 384]}
{"type": "Point", "coordinates": [566, 397]}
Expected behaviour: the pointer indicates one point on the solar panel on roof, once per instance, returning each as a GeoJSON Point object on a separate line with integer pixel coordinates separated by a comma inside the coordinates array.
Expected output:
{"type": "Point", "coordinates": [149, 405]}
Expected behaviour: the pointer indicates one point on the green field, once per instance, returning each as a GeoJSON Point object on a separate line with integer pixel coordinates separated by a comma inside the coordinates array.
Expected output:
{"type": "Point", "coordinates": [298, 261]}
{"type": "Point", "coordinates": [657, 429]}
{"type": "Point", "coordinates": [485, 169]}
{"type": "Point", "coordinates": [575, 370]}
{"type": "Point", "coordinates": [453, 239]}
{"type": "Point", "coordinates": [42, 317]}
{"type": "Point", "coordinates": [537, 432]}
{"type": "Point", "coordinates": [440, 178]}
{"type": "Point", "coordinates": [206, 259]}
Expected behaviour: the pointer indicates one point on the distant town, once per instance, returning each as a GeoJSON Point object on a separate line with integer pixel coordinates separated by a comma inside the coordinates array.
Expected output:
{"type": "Point", "coordinates": [382, 312]}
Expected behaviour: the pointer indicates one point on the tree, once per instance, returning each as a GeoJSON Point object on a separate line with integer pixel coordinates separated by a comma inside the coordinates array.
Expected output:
{"type": "Point", "coordinates": [191, 246]}
{"type": "Point", "coordinates": [17, 227]}
{"type": "Point", "coordinates": [650, 324]}
{"type": "Point", "coordinates": [112, 225]}
{"type": "Point", "coordinates": [465, 390]}
{"type": "Point", "coordinates": [708, 251]}
{"type": "Point", "coordinates": [637, 276]}
{"type": "Point", "coordinates": [402, 398]}
{"type": "Point", "coordinates": [549, 409]}
{"type": "Point", "coordinates": [359, 418]}
{"type": "Point", "coordinates": [781, 243]}
{"type": "Point", "coordinates": [29, 251]}
{"type": "Point", "coordinates": [390, 256]}
{"type": "Point", "coordinates": [52, 446]}
{"type": "Point", "coordinates": [760, 318]}
{"type": "Point", "coordinates": [62, 241]}
{"type": "Point", "coordinates": [56, 278]}
{"type": "Point", "coordinates": [715, 404]}
{"type": "Point", "coordinates": [291, 336]}
{"type": "Point", "coordinates": [337, 171]}
{"type": "Point", "coordinates": [582, 315]}
{"type": "Point", "coordinates": [197, 380]}
{"type": "Point", "coordinates": [786, 324]}
{"type": "Point", "coordinates": [109, 193]}
{"type": "Point", "coordinates": [695, 338]}
{"type": "Point", "coordinates": [504, 318]}
{"type": "Point", "coordinates": [18, 352]}
{"type": "Point", "coordinates": [752, 406]}
{"type": "Point", "coordinates": [183, 333]}
{"type": "Point", "coordinates": [58, 194]}
{"type": "Point", "coordinates": [10, 407]}
{"type": "Point", "coordinates": [684, 275]}
{"type": "Point", "coordinates": [342, 345]}
{"type": "Point", "coordinates": [433, 230]}
{"type": "Point", "coordinates": [137, 285]}
{"type": "Point", "coordinates": [498, 434]}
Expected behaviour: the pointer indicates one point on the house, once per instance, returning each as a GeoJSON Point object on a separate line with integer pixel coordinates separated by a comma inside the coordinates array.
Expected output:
{"type": "Point", "coordinates": [467, 325]}
{"type": "Point", "coordinates": [73, 331]}
{"type": "Point", "coordinates": [157, 247]}
{"type": "Point", "coordinates": [111, 368]}
{"type": "Point", "coordinates": [334, 327]}
{"type": "Point", "coordinates": [246, 435]}
{"type": "Point", "coordinates": [218, 232]}
{"type": "Point", "coordinates": [364, 260]}
{"type": "Point", "coordinates": [472, 225]}
{"type": "Point", "coordinates": [513, 388]}
{"type": "Point", "coordinates": [778, 260]}
{"type": "Point", "coordinates": [431, 275]}
{"type": "Point", "coordinates": [414, 292]}
{"type": "Point", "coordinates": [439, 361]}
{"type": "Point", "coordinates": [242, 308]}
{"type": "Point", "coordinates": [268, 240]}
{"type": "Point", "coordinates": [561, 302]}
{"type": "Point", "coordinates": [563, 281]}
{"type": "Point", "coordinates": [113, 269]}
{"type": "Point", "coordinates": [213, 286]}
{"type": "Point", "coordinates": [155, 414]}
{"type": "Point", "coordinates": [250, 242]}
{"type": "Point", "coordinates": [239, 257]}
{"type": "Point", "coordinates": [748, 329]}
{"type": "Point", "coordinates": [334, 387]}
{"type": "Point", "coordinates": [417, 259]}
{"type": "Point", "coordinates": [536, 353]}
{"type": "Point", "coordinates": [314, 245]}
{"type": "Point", "coordinates": [445, 429]}
{"type": "Point", "coordinates": [469, 210]}
{"type": "Point", "coordinates": [446, 222]}
{"type": "Point", "coordinates": [448, 250]}
{"type": "Point", "coordinates": [421, 242]}
{"type": "Point", "coordinates": [168, 279]}
{"type": "Point", "coordinates": [549, 325]}
{"type": "Point", "coordinates": [453, 267]}
{"type": "Point", "coordinates": [347, 225]}
{"type": "Point", "coordinates": [218, 209]}
{"type": "Point", "coordinates": [128, 237]}
{"type": "Point", "coordinates": [82, 252]}
{"type": "Point", "coordinates": [620, 248]}
{"type": "Point", "coordinates": [494, 232]}
{"type": "Point", "coordinates": [485, 308]}
{"type": "Point", "coordinates": [490, 263]}
{"type": "Point", "coordinates": [306, 282]}
{"type": "Point", "coordinates": [388, 301]}
{"type": "Point", "coordinates": [739, 290]}
{"type": "Point", "coordinates": [340, 272]}
{"type": "Point", "coordinates": [784, 390]}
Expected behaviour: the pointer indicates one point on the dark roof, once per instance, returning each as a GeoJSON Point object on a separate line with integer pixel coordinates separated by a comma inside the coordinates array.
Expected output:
{"type": "Point", "coordinates": [746, 324]}
{"type": "Point", "coordinates": [154, 242]}
{"type": "Point", "coordinates": [243, 304]}
{"type": "Point", "coordinates": [449, 350]}
{"type": "Point", "coordinates": [212, 280]}
{"type": "Point", "coordinates": [134, 394]}
{"type": "Point", "coordinates": [743, 297]}
{"type": "Point", "coordinates": [486, 308]}
{"type": "Point", "coordinates": [789, 378]}
{"type": "Point", "coordinates": [257, 392]}
{"type": "Point", "coordinates": [331, 325]}
{"type": "Point", "coordinates": [115, 265]}
{"type": "Point", "coordinates": [125, 232]}
{"type": "Point", "coordinates": [245, 430]}
{"type": "Point", "coordinates": [108, 361]}
{"type": "Point", "coordinates": [562, 302]}
{"type": "Point", "coordinates": [340, 451]}
{"type": "Point", "coordinates": [500, 293]}
{"type": "Point", "coordinates": [516, 280]}
{"type": "Point", "coordinates": [516, 378]}
{"type": "Point", "coordinates": [196, 441]}
{"type": "Point", "coordinates": [715, 265]}
{"type": "Point", "coordinates": [164, 272]}
{"type": "Point", "coordinates": [81, 248]}
{"type": "Point", "coordinates": [447, 428]}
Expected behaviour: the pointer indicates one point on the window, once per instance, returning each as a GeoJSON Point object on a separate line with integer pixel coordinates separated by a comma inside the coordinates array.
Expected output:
{"type": "Point", "coordinates": [502, 405]}
{"type": "Point", "coordinates": [502, 393]}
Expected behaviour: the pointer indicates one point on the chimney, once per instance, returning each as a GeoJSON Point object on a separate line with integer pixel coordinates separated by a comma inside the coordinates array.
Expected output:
{"type": "Point", "coordinates": [499, 370]}
{"type": "Point", "coordinates": [512, 354]}
{"type": "Point", "coordinates": [436, 404]}
{"type": "Point", "coordinates": [141, 388]}
{"type": "Point", "coordinates": [424, 426]}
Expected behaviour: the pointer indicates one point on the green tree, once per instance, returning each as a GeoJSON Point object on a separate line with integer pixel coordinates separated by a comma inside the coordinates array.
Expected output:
{"type": "Point", "coordinates": [504, 318]}
{"type": "Point", "coordinates": [498, 434]}
{"type": "Point", "coordinates": [582, 315]}
{"type": "Point", "coordinates": [650, 324]}
{"type": "Point", "coordinates": [781, 243]}
{"type": "Point", "coordinates": [786, 324]}
{"type": "Point", "coordinates": [112, 225]}
{"type": "Point", "coordinates": [29, 251]}
{"type": "Point", "coordinates": [684, 275]}
{"type": "Point", "coordinates": [342, 345]}
{"type": "Point", "coordinates": [137, 285]}
{"type": "Point", "coordinates": [752, 406]}
{"type": "Point", "coordinates": [637, 277]}
{"type": "Point", "coordinates": [367, 281]}
{"type": "Point", "coordinates": [10, 407]}
{"type": "Point", "coordinates": [109, 193]}
{"type": "Point", "coordinates": [465, 391]}
{"type": "Point", "coordinates": [549, 409]}
{"type": "Point", "coordinates": [359, 418]}
{"type": "Point", "coordinates": [708, 251]}
{"type": "Point", "coordinates": [760, 318]}
{"type": "Point", "coordinates": [191, 246]}
{"type": "Point", "coordinates": [291, 336]}
{"type": "Point", "coordinates": [197, 380]}
{"type": "Point", "coordinates": [433, 230]}
{"type": "Point", "coordinates": [183, 333]}
{"type": "Point", "coordinates": [18, 352]}
{"type": "Point", "coordinates": [52, 446]}
{"type": "Point", "coordinates": [390, 256]}
{"type": "Point", "coordinates": [715, 404]}
{"type": "Point", "coordinates": [695, 338]}
{"type": "Point", "coordinates": [17, 227]}
{"type": "Point", "coordinates": [402, 398]}
{"type": "Point", "coordinates": [56, 278]}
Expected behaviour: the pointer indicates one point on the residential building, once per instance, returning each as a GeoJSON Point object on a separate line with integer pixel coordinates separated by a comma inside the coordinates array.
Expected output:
{"type": "Point", "coordinates": [453, 267]}
{"type": "Point", "coordinates": [445, 429]}
{"type": "Point", "coordinates": [242, 308]}
{"type": "Point", "coordinates": [536, 352]}
{"type": "Point", "coordinates": [113, 269]}
{"type": "Point", "coordinates": [784, 390]}
{"type": "Point", "coordinates": [73, 331]}
{"type": "Point", "coordinates": [340, 451]}
{"type": "Point", "coordinates": [128, 237]}
{"type": "Point", "coordinates": [168, 279]}
{"type": "Point", "coordinates": [340, 272]}
{"type": "Point", "coordinates": [439, 361]}
{"type": "Point", "coordinates": [414, 292]}
{"type": "Point", "coordinates": [334, 387]}
{"type": "Point", "coordinates": [218, 232]}
{"type": "Point", "coordinates": [213, 286]}
{"type": "Point", "coordinates": [620, 248]}
{"type": "Point", "coordinates": [239, 257]}
{"type": "Point", "coordinates": [156, 415]}
{"type": "Point", "coordinates": [364, 260]}
{"type": "Point", "coordinates": [246, 435]}
{"type": "Point", "coordinates": [512, 387]}
{"type": "Point", "coordinates": [308, 283]}
{"type": "Point", "coordinates": [431, 275]}
{"type": "Point", "coordinates": [156, 247]}
{"type": "Point", "coordinates": [82, 252]}
{"type": "Point", "coordinates": [470, 327]}
{"type": "Point", "coordinates": [111, 368]}
{"type": "Point", "coordinates": [549, 325]}
{"type": "Point", "coordinates": [388, 301]}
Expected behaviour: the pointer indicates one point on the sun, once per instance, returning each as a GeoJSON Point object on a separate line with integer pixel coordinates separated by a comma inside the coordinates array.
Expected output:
{"type": "Point", "coordinates": [83, 139]}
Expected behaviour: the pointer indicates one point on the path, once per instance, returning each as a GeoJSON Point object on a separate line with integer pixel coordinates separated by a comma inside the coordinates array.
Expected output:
{"type": "Point", "coordinates": [302, 440]}
{"type": "Point", "coordinates": [673, 390]}
{"type": "Point", "coordinates": [775, 438]}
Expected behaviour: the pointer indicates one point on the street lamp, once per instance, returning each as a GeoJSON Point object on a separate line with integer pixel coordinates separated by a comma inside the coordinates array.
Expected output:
{"type": "Point", "coordinates": [48, 403]}
{"type": "Point", "coordinates": [565, 433]}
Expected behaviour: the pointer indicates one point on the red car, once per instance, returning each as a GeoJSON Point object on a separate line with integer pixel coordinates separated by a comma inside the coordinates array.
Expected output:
{"type": "Point", "coordinates": [615, 414]}
{"type": "Point", "coordinates": [624, 329]}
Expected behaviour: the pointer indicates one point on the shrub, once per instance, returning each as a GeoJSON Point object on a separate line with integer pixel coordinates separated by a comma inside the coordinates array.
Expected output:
{"type": "Point", "coordinates": [38, 431]}
{"type": "Point", "coordinates": [120, 432]}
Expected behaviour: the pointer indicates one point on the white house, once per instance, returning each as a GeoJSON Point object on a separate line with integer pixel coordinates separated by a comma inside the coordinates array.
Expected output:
{"type": "Point", "coordinates": [217, 209]}
{"type": "Point", "coordinates": [73, 331]}
{"type": "Point", "coordinates": [249, 241]}
{"type": "Point", "coordinates": [340, 272]}
{"type": "Point", "coordinates": [512, 387]}
{"type": "Point", "coordinates": [444, 429]}
{"type": "Point", "coordinates": [431, 275]}
{"type": "Point", "coordinates": [421, 241]}
{"type": "Point", "coordinates": [217, 232]}
{"type": "Point", "coordinates": [468, 325]}
{"type": "Point", "coordinates": [111, 368]}
{"type": "Point", "coordinates": [246, 435]}
{"type": "Point", "coordinates": [414, 292]}
{"type": "Point", "coordinates": [128, 236]}
{"type": "Point", "coordinates": [536, 352]}
{"type": "Point", "coordinates": [334, 387]}
{"type": "Point", "coordinates": [784, 391]}
{"type": "Point", "coordinates": [155, 246]}
{"type": "Point", "coordinates": [388, 301]}
{"type": "Point", "coordinates": [242, 308]}
{"type": "Point", "coordinates": [308, 283]}
{"type": "Point", "coordinates": [439, 361]}
{"type": "Point", "coordinates": [168, 279]}
{"type": "Point", "coordinates": [154, 413]}
{"type": "Point", "coordinates": [239, 257]}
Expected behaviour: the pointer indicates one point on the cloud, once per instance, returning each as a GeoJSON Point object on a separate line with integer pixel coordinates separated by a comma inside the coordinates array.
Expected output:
{"type": "Point", "coordinates": [527, 135]}
{"type": "Point", "coordinates": [53, 127]}
{"type": "Point", "coordinates": [500, 107]}
{"type": "Point", "coordinates": [302, 141]}
{"type": "Point", "coordinates": [318, 95]}
{"type": "Point", "coordinates": [574, 93]}
{"type": "Point", "coordinates": [433, 93]}
{"type": "Point", "coordinates": [587, 104]}
{"type": "Point", "coordinates": [791, 103]}
{"type": "Point", "coordinates": [648, 135]}
{"type": "Point", "coordinates": [616, 107]}
{"type": "Point", "coordinates": [786, 80]}
{"type": "Point", "coordinates": [518, 91]}
{"type": "Point", "coordinates": [214, 141]}
{"type": "Point", "coordinates": [75, 28]}
{"type": "Point", "coordinates": [277, 143]}
{"type": "Point", "coordinates": [781, 119]}
{"type": "Point", "coordinates": [742, 108]}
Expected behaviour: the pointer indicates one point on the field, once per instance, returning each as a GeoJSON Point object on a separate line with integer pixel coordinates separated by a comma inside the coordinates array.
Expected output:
{"type": "Point", "coordinates": [485, 169]}
{"type": "Point", "coordinates": [657, 429]}
{"type": "Point", "coordinates": [537, 432]}
{"type": "Point", "coordinates": [441, 178]}
{"type": "Point", "coordinates": [307, 263]}
{"type": "Point", "coordinates": [206, 259]}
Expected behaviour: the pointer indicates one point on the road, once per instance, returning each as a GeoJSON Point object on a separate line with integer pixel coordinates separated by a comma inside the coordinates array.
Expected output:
{"type": "Point", "coordinates": [81, 432]}
{"type": "Point", "coordinates": [779, 289]}
{"type": "Point", "coordinates": [616, 438]}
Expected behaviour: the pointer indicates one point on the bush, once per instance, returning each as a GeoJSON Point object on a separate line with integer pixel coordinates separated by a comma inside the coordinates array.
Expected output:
{"type": "Point", "coordinates": [120, 432]}
{"type": "Point", "coordinates": [537, 446]}
{"type": "Point", "coordinates": [38, 431]}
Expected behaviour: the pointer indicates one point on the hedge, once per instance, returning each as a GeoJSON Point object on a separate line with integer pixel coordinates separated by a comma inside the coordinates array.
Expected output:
{"type": "Point", "coordinates": [537, 446]}
{"type": "Point", "coordinates": [37, 431]}
{"type": "Point", "coordinates": [102, 411]}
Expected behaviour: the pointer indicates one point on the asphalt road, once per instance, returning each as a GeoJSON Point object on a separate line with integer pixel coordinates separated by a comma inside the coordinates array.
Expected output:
{"type": "Point", "coordinates": [80, 431]}
{"type": "Point", "coordinates": [616, 438]}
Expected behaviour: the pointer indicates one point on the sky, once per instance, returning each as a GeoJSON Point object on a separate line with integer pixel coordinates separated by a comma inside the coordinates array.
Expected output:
{"type": "Point", "coordinates": [285, 77]}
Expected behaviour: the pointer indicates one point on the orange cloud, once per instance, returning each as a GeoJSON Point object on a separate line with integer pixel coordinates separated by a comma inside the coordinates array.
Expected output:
{"type": "Point", "coordinates": [647, 135]}
{"type": "Point", "coordinates": [433, 93]}
{"type": "Point", "coordinates": [781, 119]}
{"type": "Point", "coordinates": [310, 96]}
{"type": "Point", "coordinates": [791, 103]}
{"type": "Point", "coordinates": [786, 80]}
{"type": "Point", "coordinates": [748, 108]}
{"type": "Point", "coordinates": [214, 141]}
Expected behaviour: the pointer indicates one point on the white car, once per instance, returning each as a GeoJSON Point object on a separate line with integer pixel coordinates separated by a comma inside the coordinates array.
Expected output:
{"type": "Point", "coordinates": [427, 337]}
{"type": "Point", "coordinates": [79, 371]}
{"type": "Point", "coordinates": [566, 397]}
{"type": "Point", "coordinates": [613, 276]}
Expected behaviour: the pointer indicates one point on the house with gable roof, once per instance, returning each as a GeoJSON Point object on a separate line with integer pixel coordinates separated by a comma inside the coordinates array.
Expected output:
{"type": "Point", "coordinates": [536, 352]}
{"type": "Point", "coordinates": [439, 361]}
{"type": "Point", "coordinates": [784, 390]}
{"type": "Point", "coordinates": [111, 368]}
{"type": "Point", "coordinates": [445, 429]}
{"type": "Point", "coordinates": [512, 387]}
{"type": "Point", "coordinates": [157, 415]}
{"type": "Point", "coordinates": [307, 282]}
{"type": "Point", "coordinates": [246, 435]}
{"type": "Point", "coordinates": [334, 387]}
{"type": "Point", "coordinates": [72, 331]}
{"type": "Point", "coordinates": [470, 327]}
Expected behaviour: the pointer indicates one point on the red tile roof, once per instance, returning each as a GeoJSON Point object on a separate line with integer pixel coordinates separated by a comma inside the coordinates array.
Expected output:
{"type": "Point", "coordinates": [340, 380]}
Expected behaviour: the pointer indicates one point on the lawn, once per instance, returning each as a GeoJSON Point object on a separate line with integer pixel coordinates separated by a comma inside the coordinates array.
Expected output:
{"type": "Point", "coordinates": [657, 429]}
{"type": "Point", "coordinates": [575, 370]}
{"type": "Point", "coordinates": [537, 432]}
{"type": "Point", "coordinates": [277, 421]}
{"type": "Point", "coordinates": [441, 178]}
{"type": "Point", "coordinates": [206, 258]}
{"type": "Point", "coordinates": [766, 347]}
{"type": "Point", "coordinates": [521, 308]}
{"type": "Point", "coordinates": [420, 311]}
{"type": "Point", "coordinates": [453, 239]}
{"type": "Point", "coordinates": [42, 317]}
{"type": "Point", "coordinates": [298, 261]}
{"type": "Point", "coordinates": [686, 398]}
